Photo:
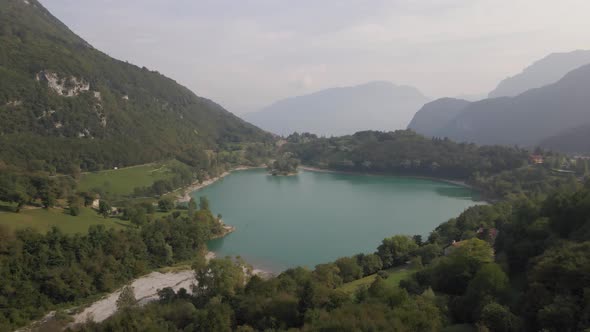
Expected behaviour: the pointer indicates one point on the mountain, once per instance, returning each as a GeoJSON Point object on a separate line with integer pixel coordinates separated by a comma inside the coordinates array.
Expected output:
{"type": "Point", "coordinates": [472, 97]}
{"type": "Point", "coordinates": [341, 111]}
{"type": "Point", "coordinates": [528, 118]}
{"type": "Point", "coordinates": [63, 103]}
{"type": "Point", "coordinates": [543, 72]}
{"type": "Point", "coordinates": [434, 116]}
{"type": "Point", "coordinates": [574, 140]}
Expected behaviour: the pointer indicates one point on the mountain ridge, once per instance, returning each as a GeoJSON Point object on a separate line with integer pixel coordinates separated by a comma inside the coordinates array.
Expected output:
{"type": "Point", "coordinates": [346, 109]}
{"type": "Point", "coordinates": [434, 115]}
{"type": "Point", "coordinates": [65, 103]}
{"type": "Point", "coordinates": [528, 118]}
{"type": "Point", "coordinates": [545, 71]}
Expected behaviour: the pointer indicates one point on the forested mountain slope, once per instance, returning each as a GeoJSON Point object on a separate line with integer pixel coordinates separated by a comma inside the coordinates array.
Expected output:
{"type": "Point", "coordinates": [64, 104]}
{"type": "Point", "coordinates": [575, 140]}
{"type": "Point", "coordinates": [435, 115]}
{"type": "Point", "coordinates": [528, 118]}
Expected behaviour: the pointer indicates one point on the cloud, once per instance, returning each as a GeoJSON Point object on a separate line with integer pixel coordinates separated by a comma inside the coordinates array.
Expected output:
{"type": "Point", "coordinates": [246, 54]}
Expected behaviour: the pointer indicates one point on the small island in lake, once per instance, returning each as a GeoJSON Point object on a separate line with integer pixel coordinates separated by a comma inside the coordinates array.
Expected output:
{"type": "Point", "coordinates": [285, 165]}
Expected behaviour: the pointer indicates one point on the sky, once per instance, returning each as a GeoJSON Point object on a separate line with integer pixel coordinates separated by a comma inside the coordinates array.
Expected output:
{"type": "Point", "coordinates": [246, 54]}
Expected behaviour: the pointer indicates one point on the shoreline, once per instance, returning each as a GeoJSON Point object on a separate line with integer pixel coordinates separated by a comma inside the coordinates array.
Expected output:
{"type": "Point", "coordinates": [451, 181]}
{"type": "Point", "coordinates": [227, 230]}
{"type": "Point", "coordinates": [482, 197]}
{"type": "Point", "coordinates": [145, 288]}
{"type": "Point", "coordinates": [196, 186]}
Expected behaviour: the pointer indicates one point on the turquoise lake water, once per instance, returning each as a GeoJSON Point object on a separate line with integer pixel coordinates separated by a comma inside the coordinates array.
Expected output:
{"type": "Point", "coordinates": [316, 217]}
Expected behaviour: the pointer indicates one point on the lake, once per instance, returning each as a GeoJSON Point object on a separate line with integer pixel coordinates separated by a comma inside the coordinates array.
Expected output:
{"type": "Point", "coordinates": [317, 217]}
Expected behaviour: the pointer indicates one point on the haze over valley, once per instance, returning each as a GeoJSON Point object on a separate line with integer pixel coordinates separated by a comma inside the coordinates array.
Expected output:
{"type": "Point", "coordinates": [294, 166]}
{"type": "Point", "coordinates": [341, 111]}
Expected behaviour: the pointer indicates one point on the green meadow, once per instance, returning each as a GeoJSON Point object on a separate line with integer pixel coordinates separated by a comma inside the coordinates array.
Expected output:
{"type": "Point", "coordinates": [123, 181]}
{"type": "Point", "coordinates": [395, 276]}
{"type": "Point", "coordinates": [43, 220]}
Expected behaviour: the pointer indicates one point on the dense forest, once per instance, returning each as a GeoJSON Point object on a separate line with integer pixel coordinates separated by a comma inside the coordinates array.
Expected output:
{"type": "Point", "coordinates": [39, 272]}
{"type": "Point", "coordinates": [518, 265]}
{"type": "Point", "coordinates": [285, 164]}
{"type": "Point", "coordinates": [65, 105]}
{"type": "Point", "coordinates": [498, 172]}
{"type": "Point", "coordinates": [403, 153]}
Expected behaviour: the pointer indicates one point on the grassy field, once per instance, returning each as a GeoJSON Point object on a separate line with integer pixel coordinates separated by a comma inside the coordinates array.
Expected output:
{"type": "Point", "coordinates": [43, 219]}
{"type": "Point", "coordinates": [123, 181]}
{"type": "Point", "coordinates": [395, 276]}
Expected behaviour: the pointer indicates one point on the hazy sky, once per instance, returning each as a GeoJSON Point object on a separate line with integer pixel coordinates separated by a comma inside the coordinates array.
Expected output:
{"type": "Point", "coordinates": [245, 54]}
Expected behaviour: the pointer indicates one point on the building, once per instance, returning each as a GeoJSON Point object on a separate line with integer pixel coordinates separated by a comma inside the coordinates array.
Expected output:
{"type": "Point", "coordinates": [536, 159]}
{"type": "Point", "coordinates": [451, 247]}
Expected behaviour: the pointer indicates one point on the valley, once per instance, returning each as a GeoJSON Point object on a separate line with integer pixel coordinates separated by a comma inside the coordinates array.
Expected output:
{"type": "Point", "coordinates": [353, 201]}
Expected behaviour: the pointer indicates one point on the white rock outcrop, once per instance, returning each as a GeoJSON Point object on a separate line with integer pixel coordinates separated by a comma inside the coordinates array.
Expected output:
{"type": "Point", "coordinates": [63, 86]}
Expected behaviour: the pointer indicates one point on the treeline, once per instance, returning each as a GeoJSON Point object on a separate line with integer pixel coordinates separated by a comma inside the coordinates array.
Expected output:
{"type": "Point", "coordinates": [226, 300]}
{"type": "Point", "coordinates": [39, 272]}
{"type": "Point", "coordinates": [540, 272]}
{"type": "Point", "coordinates": [32, 188]}
{"type": "Point", "coordinates": [518, 265]}
{"type": "Point", "coordinates": [526, 181]}
{"type": "Point", "coordinates": [285, 164]}
{"type": "Point", "coordinates": [404, 152]}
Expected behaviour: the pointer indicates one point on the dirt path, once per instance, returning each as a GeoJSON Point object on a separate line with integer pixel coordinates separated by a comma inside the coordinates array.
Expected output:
{"type": "Point", "coordinates": [198, 186]}
{"type": "Point", "coordinates": [146, 290]}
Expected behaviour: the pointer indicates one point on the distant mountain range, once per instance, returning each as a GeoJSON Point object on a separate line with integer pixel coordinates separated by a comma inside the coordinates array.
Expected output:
{"type": "Point", "coordinates": [64, 102]}
{"type": "Point", "coordinates": [432, 117]}
{"type": "Point", "coordinates": [553, 115]}
{"type": "Point", "coordinates": [340, 111]}
{"type": "Point", "coordinates": [548, 70]}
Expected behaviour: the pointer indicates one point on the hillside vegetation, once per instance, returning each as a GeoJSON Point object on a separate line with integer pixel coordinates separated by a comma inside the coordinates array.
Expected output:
{"type": "Point", "coordinates": [518, 265]}
{"type": "Point", "coordinates": [403, 152]}
{"type": "Point", "coordinates": [65, 105]}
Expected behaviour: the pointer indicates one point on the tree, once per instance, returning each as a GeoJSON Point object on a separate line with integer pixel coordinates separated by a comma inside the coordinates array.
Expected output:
{"type": "Point", "coordinates": [490, 280]}
{"type": "Point", "coordinates": [204, 203]}
{"type": "Point", "coordinates": [452, 274]}
{"type": "Point", "coordinates": [88, 198]}
{"type": "Point", "coordinates": [369, 263]}
{"type": "Point", "coordinates": [138, 217]}
{"type": "Point", "coordinates": [192, 207]}
{"type": "Point", "coordinates": [328, 275]}
{"type": "Point", "coordinates": [498, 318]}
{"type": "Point", "coordinates": [475, 250]}
{"type": "Point", "coordinates": [428, 253]}
{"type": "Point", "coordinates": [221, 277]}
{"type": "Point", "coordinates": [349, 269]}
{"type": "Point", "coordinates": [74, 204]}
{"type": "Point", "coordinates": [417, 239]}
{"type": "Point", "coordinates": [558, 284]}
{"type": "Point", "coordinates": [48, 199]}
{"type": "Point", "coordinates": [104, 208]}
{"type": "Point", "coordinates": [489, 284]}
{"type": "Point", "coordinates": [166, 204]}
{"type": "Point", "coordinates": [126, 298]}
{"type": "Point", "coordinates": [395, 250]}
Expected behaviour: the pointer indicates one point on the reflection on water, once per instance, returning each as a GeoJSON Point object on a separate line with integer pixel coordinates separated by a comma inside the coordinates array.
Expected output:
{"type": "Point", "coordinates": [316, 217]}
{"type": "Point", "coordinates": [458, 192]}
